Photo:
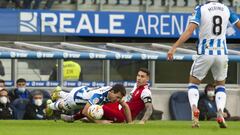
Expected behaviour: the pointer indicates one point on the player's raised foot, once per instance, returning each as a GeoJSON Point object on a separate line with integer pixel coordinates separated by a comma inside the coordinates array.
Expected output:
{"type": "Point", "coordinates": [49, 111]}
{"type": "Point", "coordinates": [195, 119]}
{"type": "Point", "coordinates": [55, 93]}
{"type": "Point", "coordinates": [67, 118]}
{"type": "Point", "coordinates": [221, 121]}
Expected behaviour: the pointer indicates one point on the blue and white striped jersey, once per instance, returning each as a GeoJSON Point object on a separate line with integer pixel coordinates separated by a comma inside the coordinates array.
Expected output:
{"type": "Point", "coordinates": [93, 96]}
{"type": "Point", "coordinates": [213, 19]}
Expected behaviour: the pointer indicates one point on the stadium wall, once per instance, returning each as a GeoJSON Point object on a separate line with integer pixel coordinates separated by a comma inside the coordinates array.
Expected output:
{"type": "Point", "coordinates": [162, 95]}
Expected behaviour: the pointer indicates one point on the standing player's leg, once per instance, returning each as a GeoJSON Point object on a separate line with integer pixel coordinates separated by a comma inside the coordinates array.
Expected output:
{"type": "Point", "coordinates": [193, 97]}
{"type": "Point", "coordinates": [199, 70]}
{"type": "Point", "coordinates": [219, 71]}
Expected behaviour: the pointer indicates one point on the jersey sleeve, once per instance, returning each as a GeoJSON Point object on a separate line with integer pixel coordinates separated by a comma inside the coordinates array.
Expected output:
{"type": "Point", "coordinates": [233, 17]}
{"type": "Point", "coordinates": [146, 96]}
{"type": "Point", "coordinates": [196, 16]}
{"type": "Point", "coordinates": [95, 99]}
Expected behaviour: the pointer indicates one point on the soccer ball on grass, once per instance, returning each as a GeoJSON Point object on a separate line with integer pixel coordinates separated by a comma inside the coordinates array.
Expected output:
{"type": "Point", "coordinates": [95, 111]}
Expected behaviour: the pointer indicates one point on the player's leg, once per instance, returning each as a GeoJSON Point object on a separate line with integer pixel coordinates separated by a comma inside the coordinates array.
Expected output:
{"type": "Point", "coordinates": [193, 97]}
{"type": "Point", "coordinates": [55, 95]}
{"type": "Point", "coordinates": [72, 118]}
{"type": "Point", "coordinates": [58, 105]}
{"type": "Point", "coordinates": [113, 112]}
{"type": "Point", "coordinates": [74, 101]}
{"type": "Point", "coordinates": [219, 71]}
{"type": "Point", "coordinates": [220, 99]}
{"type": "Point", "coordinates": [199, 70]}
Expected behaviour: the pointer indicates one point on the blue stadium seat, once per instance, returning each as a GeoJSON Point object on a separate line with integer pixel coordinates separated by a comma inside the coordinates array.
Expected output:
{"type": "Point", "coordinates": [19, 108]}
{"type": "Point", "coordinates": [179, 106]}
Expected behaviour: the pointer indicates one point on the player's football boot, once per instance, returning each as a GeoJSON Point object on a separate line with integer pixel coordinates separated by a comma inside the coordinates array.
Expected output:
{"type": "Point", "coordinates": [67, 118]}
{"type": "Point", "coordinates": [195, 118]}
{"type": "Point", "coordinates": [221, 121]}
{"type": "Point", "coordinates": [49, 111]}
{"type": "Point", "coordinates": [56, 93]}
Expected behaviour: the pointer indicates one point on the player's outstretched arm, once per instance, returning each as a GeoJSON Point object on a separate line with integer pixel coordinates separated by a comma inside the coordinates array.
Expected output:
{"type": "Point", "coordinates": [183, 38]}
{"type": "Point", "coordinates": [148, 113]}
{"type": "Point", "coordinates": [127, 111]}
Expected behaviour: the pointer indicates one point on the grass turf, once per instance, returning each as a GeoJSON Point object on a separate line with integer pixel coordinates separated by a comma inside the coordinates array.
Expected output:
{"type": "Point", "coordinates": [27, 127]}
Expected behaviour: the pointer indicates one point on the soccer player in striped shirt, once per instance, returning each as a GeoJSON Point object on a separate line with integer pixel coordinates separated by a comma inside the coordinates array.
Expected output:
{"type": "Point", "coordinates": [84, 95]}
{"type": "Point", "coordinates": [212, 19]}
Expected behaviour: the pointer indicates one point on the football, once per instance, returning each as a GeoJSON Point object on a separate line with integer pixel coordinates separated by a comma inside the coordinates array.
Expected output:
{"type": "Point", "coordinates": [95, 111]}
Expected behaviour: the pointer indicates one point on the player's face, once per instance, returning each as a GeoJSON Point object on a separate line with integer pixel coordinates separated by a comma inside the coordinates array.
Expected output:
{"type": "Point", "coordinates": [114, 97]}
{"type": "Point", "coordinates": [142, 78]}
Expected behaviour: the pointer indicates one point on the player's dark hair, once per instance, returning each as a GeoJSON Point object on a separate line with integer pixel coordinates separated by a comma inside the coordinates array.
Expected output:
{"type": "Point", "coordinates": [119, 88]}
{"type": "Point", "coordinates": [207, 86]}
{"type": "Point", "coordinates": [21, 80]}
{"type": "Point", "coordinates": [145, 70]}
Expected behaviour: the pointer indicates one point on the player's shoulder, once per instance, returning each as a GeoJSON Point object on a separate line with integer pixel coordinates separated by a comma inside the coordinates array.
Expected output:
{"type": "Point", "coordinates": [146, 89]}
{"type": "Point", "coordinates": [197, 7]}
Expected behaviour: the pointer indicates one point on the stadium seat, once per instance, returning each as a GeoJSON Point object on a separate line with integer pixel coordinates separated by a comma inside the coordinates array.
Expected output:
{"type": "Point", "coordinates": [179, 106]}
{"type": "Point", "coordinates": [19, 107]}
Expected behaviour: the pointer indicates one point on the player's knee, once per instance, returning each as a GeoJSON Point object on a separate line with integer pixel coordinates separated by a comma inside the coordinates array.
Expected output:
{"type": "Point", "coordinates": [194, 80]}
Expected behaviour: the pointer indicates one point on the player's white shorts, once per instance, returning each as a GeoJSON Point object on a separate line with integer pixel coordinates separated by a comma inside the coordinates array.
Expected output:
{"type": "Point", "coordinates": [217, 63]}
{"type": "Point", "coordinates": [69, 103]}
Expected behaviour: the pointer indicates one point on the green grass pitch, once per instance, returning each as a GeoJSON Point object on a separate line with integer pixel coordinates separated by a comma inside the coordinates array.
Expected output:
{"type": "Point", "coordinates": [50, 127]}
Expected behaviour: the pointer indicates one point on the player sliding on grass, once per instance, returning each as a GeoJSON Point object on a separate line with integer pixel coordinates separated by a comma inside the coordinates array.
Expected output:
{"type": "Point", "coordinates": [212, 19]}
{"type": "Point", "coordinates": [84, 95]}
{"type": "Point", "coordinates": [140, 98]}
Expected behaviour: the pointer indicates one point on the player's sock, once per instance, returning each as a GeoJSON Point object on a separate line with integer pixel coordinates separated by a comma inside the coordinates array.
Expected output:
{"type": "Point", "coordinates": [193, 97]}
{"type": "Point", "coordinates": [220, 97]}
{"type": "Point", "coordinates": [78, 115]}
{"type": "Point", "coordinates": [54, 106]}
{"type": "Point", "coordinates": [193, 94]}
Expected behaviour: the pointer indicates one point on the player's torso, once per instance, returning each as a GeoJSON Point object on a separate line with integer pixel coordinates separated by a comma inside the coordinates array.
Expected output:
{"type": "Point", "coordinates": [81, 95]}
{"type": "Point", "coordinates": [212, 29]}
{"type": "Point", "coordinates": [95, 96]}
{"type": "Point", "coordinates": [135, 102]}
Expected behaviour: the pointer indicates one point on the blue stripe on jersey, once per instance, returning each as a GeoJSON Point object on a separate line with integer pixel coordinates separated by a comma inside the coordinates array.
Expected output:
{"type": "Point", "coordinates": [203, 46]}
{"type": "Point", "coordinates": [211, 46]}
{"type": "Point", "coordinates": [233, 17]}
{"type": "Point", "coordinates": [219, 46]}
{"type": "Point", "coordinates": [78, 95]}
{"type": "Point", "coordinates": [196, 18]}
{"type": "Point", "coordinates": [96, 99]}
{"type": "Point", "coordinates": [225, 47]}
{"type": "Point", "coordinates": [99, 98]}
